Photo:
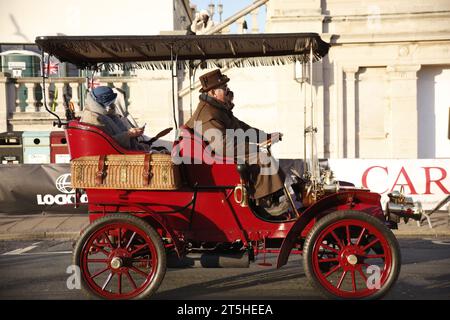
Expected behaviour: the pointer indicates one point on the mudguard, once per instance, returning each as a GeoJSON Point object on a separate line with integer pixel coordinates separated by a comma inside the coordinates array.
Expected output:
{"type": "Point", "coordinates": [358, 200]}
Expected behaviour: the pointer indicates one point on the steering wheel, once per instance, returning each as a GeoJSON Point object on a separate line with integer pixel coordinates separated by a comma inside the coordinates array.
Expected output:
{"type": "Point", "coordinates": [268, 143]}
{"type": "Point", "coordinates": [265, 144]}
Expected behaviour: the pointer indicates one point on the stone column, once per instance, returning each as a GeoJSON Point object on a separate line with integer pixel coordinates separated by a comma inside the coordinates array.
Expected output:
{"type": "Point", "coordinates": [255, 26]}
{"type": "Point", "coordinates": [337, 113]}
{"type": "Point", "coordinates": [403, 104]}
{"type": "Point", "coordinates": [75, 99]}
{"type": "Point", "coordinates": [59, 86]}
{"type": "Point", "coordinates": [318, 97]}
{"type": "Point", "coordinates": [4, 101]}
{"type": "Point", "coordinates": [31, 97]}
{"type": "Point", "coordinates": [350, 115]}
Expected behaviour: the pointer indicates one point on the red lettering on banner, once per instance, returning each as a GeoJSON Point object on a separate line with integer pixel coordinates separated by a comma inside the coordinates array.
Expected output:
{"type": "Point", "coordinates": [437, 181]}
{"type": "Point", "coordinates": [366, 173]}
{"type": "Point", "coordinates": [408, 182]}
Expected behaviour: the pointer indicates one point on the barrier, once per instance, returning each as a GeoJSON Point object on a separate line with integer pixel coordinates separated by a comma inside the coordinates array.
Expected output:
{"type": "Point", "coordinates": [37, 189]}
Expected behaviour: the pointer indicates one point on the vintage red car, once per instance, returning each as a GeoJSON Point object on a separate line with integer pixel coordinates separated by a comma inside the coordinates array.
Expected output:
{"type": "Point", "coordinates": [342, 232]}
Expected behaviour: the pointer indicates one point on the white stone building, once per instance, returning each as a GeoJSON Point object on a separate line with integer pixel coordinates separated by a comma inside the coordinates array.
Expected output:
{"type": "Point", "coordinates": [382, 92]}
{"type": "Point", "coordinates": [22, 21]}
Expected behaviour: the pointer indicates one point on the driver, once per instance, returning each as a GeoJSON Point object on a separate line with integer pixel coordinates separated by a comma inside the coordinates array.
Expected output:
{"type": "Point", "coordinates": [214, 114]}
{"type": "Point", "coordinates": [100, 111]}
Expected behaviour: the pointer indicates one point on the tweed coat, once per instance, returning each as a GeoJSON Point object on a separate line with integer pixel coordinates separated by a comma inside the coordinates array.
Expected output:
{"type": "Point", "coordinates": [114, 125]}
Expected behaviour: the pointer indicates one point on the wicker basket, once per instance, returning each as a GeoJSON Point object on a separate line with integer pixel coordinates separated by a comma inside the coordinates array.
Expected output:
{"type": "Point", "coordinates": [144, 172]}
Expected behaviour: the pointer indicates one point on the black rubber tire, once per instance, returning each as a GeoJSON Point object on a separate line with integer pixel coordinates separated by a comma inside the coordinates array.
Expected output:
{"type": "Point", "coordinates": [138, 222]}
{"type": "Point", "coordinates": [357, 215]}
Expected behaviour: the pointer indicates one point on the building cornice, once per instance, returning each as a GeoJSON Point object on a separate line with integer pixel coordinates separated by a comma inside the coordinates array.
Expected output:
{"type": "Point", "coordinates": [359, 38]}
{"type": "Point", "coordinates": [362, 17]}
{"type": "Point", "coordinates": [388, 16]}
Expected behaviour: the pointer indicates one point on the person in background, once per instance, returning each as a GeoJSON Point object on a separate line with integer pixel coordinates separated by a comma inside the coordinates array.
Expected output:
{"type": "Point", "coordinates": [202, 23]}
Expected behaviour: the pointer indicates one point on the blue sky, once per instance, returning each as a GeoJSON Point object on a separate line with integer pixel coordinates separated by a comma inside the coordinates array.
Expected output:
{"type": "Point", "coordinates": [231, 7]}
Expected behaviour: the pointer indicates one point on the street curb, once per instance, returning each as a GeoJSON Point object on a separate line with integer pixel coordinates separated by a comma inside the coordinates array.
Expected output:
{"type": "Point", "coordinates": [415, 235]}
{"type": "Point", "coordinates": [40, 236]}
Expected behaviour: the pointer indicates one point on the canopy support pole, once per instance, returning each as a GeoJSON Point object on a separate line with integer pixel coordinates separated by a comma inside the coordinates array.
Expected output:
{"type": "Point", "coordinates": [174, 75]}
{"type": "Point", "coordinates": [44, 98]}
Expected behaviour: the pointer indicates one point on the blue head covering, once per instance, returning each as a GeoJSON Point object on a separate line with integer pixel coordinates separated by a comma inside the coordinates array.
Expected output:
{"type": "Point", "coordinates": [104, 95]}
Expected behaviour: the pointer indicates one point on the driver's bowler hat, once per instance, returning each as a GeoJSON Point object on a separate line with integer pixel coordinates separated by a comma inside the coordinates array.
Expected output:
{"type": "Point", "coordinates": [212, 80]}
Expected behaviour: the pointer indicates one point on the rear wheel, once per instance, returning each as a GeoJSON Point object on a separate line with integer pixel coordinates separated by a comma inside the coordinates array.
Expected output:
{"type": "Point", "coordinates": [351, 255]}
{"type": "Point", "coordinates": [120, 257]}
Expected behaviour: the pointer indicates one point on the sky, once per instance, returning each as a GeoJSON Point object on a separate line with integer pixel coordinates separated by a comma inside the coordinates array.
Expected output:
{"type": "Point", "coordinates": [230, 7]}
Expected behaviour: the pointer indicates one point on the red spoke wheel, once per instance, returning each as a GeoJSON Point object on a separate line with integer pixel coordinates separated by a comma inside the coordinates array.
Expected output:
{"type": "Point", "coordinates": [120, 256]}
{"type": "Point", "coordinates": [351, 255]}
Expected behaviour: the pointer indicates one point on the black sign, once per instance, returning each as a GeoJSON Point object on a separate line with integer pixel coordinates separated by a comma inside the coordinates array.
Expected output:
{"type": "Point", "coordinates": [38, 189]}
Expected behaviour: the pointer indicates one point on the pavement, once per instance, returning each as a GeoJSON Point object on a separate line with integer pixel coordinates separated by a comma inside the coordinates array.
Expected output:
{"type": "Point", "coordinates": [69, 226]}
{"type": "Point", "coordinates": [38, 226]}
{"type": "Point", "coordinates": [440, 226]}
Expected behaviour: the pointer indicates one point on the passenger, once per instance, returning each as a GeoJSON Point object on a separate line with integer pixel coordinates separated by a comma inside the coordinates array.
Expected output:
{"type": "Point", "coordinates": [100, 110]}
{"type": "Point", "coordinates": [214, 113]}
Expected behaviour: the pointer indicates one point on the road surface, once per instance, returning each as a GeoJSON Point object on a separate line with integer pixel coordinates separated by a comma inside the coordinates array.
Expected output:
{"type": "Point", "coordinates": [37, 270]}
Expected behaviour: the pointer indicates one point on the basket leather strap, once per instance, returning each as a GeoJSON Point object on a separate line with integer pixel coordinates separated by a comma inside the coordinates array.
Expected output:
{"type": "Point", "coordinates": [101, 170]}
{"type": "Point", "coordinates": [147, 174]}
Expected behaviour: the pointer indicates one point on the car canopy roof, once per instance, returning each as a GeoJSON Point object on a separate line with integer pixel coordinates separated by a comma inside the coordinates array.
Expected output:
{"type": "Point", "coordinates": [157, 52]}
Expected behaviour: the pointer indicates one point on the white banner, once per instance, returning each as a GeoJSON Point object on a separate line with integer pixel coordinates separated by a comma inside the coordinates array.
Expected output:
{"type": "Point", "coordinates": [425, 180]}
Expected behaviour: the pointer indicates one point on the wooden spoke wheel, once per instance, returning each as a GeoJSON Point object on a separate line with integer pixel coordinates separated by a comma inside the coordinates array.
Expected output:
{"type": "Point", "coordinates": [351, 255]}
{"type": "Point", "coordinates": [120, 256]}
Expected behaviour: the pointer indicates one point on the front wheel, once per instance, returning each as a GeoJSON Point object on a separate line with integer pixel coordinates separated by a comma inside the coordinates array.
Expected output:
{"type": "Point", "coordinates": [120, 256]}
{"type": "Point", "coordinates": [351, 255]}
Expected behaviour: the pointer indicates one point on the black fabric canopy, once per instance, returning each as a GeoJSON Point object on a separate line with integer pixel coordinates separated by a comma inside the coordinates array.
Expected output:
{"type": "Point", "coordinates": [156, 52]}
